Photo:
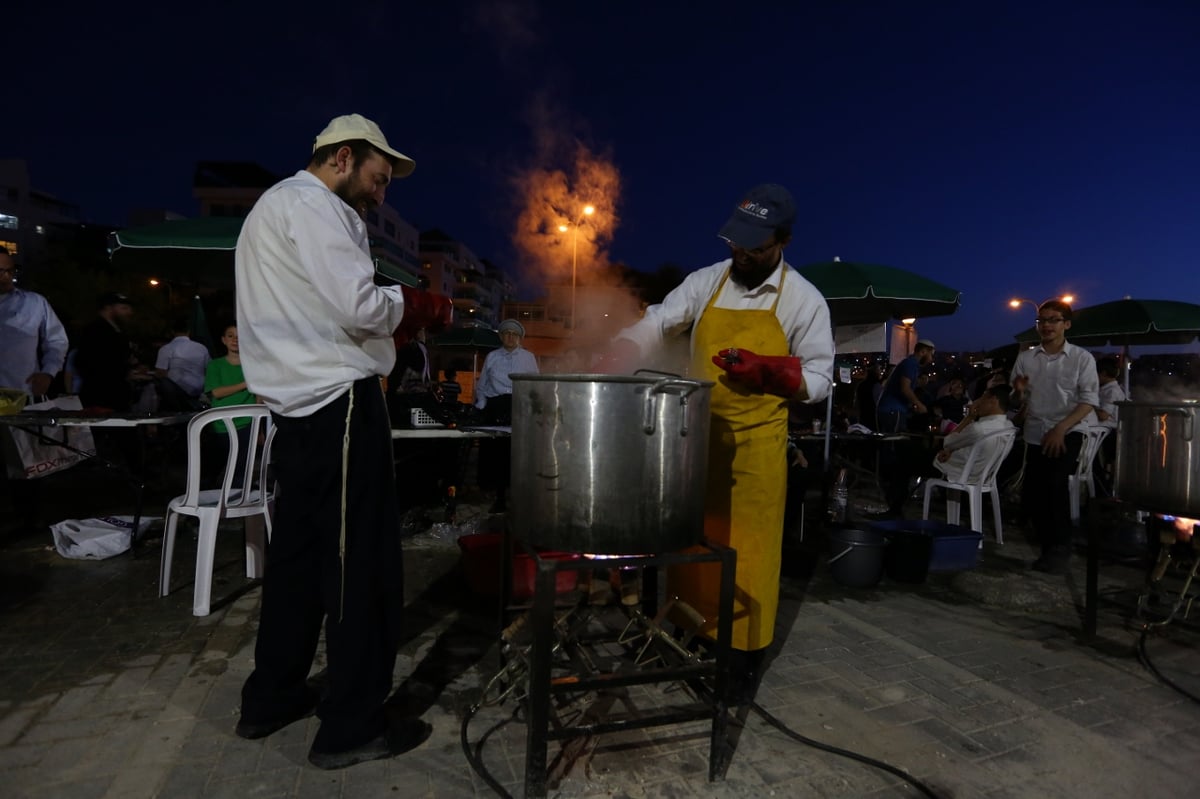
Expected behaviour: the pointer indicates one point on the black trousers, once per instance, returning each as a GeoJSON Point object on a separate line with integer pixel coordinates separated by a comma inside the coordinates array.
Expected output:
{"type": "Point", "coordinates": [1044, 496]}
{"type": "Point", "coordinates": [359, 597]}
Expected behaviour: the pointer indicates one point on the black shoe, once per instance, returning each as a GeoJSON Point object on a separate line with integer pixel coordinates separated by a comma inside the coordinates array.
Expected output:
{"type": "Point", "coordinates": [254, 730]}
{"type": "Point", "coordinates": [401, 737]}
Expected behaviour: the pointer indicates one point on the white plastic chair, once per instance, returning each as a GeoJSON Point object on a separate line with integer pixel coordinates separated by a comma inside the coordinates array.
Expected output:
{"type": "Point", "coordinates": [1083, 469]}
{"type": "Point", "coordinates": [210, 506]}
{"type": "Point", "coordinates": [989, 451]}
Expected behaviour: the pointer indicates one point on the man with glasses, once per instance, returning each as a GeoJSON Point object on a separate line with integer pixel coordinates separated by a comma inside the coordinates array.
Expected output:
{"type": "Point", "coordinates": [1058, 384]}
{"type": "Point", "coordinates": [760, 332]}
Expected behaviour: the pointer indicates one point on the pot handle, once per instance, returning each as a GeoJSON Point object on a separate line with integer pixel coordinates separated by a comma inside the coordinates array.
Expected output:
{"type": "Point", "coordinates": [841, 554]}
{"type": "Point", "coordinates": [661, 387]}
{"type": "Point", "coordinates": [1188, 419]}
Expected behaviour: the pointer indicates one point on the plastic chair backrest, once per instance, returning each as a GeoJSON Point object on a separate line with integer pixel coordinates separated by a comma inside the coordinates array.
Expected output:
{"type": "Point", "coordinates": [991, 450]}
{"type": "Point", "coordinates": [1087, 453]}
{"type": "Point", "coordinates": [231, 495]}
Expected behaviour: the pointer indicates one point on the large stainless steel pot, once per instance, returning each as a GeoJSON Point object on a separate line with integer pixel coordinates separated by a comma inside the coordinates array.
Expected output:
{"type": "Point", "coordinates": [1158, 456]}
{"type": "Point", "coordinates": [609, 464]}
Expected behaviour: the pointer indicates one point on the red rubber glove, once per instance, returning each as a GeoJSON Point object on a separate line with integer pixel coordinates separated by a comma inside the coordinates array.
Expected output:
{"type": "Point", "coordinates": [619, 359]}
{"type": "Point", "coordinates": [771, 374]}
{"type": "Point", "coordinates": [424, 309]}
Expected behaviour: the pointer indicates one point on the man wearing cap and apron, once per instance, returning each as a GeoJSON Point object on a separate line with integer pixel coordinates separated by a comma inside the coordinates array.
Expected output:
{"type": "Point", "coordinates": [315, 334]}
{"type": "Point", "coordinates": [762, 333]}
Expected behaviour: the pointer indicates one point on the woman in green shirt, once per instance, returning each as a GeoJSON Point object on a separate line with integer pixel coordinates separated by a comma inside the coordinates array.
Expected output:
{"type": "Point", "coordinates": [226, 385]}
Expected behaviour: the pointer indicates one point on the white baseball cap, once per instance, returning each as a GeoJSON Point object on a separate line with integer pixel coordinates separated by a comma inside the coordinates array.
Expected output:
{"type": "Point", "coordinates": [356, 126]}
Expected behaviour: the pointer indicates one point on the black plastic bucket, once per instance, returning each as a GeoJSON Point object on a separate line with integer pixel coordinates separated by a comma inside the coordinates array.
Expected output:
{"type": "Point", "coordinates": [856, 556]}
{"type": "Point", "coordinates": [909, 553]}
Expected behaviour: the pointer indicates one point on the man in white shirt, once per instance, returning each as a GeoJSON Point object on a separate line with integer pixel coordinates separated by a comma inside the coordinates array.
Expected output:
{"type": "Point", "coordinates": [33, 347]}
{"type": "Point", "coordinates": [761, 333]}
{"type": "Point", "coordinates": [493, 394]}
{"type": "Point", "coordinates": [1059, 387]}
{"type": "Point", "coordinates": [315, 334]}
{"type": "Point", "coordinates": [495, 379]}
{"type": "Point", "coordinates": [183, 361]}
{"type": "Point", "coordinates": [988, 414]}
{"type": "Point", "coordinates": [35, 342]}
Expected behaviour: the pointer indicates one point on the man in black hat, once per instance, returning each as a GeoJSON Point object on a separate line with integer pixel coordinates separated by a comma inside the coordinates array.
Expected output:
{"type": "Point", "coordinates": [105, 356]}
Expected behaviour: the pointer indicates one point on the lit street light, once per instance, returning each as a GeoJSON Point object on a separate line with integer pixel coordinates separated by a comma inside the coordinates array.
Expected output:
{"type": "Point", "coordinates": [588, 210]}
{"type": "Point", "coordinates": [1017, 302]}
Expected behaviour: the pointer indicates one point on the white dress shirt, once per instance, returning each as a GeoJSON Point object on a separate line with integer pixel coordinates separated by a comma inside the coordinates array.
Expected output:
{"type": "Point", "coordinates": [495, 378]}
{"type": "Point", "coordinates": [184, 361]}
{"type": "Point", "coordinates": [311, 320]}
{"type": "Point", "coordinates": [802, 313]}
{"type": "Point", "coordinates": [959, 443]}
{"type": "Point", "coordinates": [1057, 383]}
{"type": "Point", "coordinates": [32, 339]}
{"type": "Point", "coordinates": [1110, 394]}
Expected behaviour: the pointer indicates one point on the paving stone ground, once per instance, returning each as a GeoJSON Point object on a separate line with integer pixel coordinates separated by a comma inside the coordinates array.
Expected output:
{"type": "Point", "coordinates": [979, 684]}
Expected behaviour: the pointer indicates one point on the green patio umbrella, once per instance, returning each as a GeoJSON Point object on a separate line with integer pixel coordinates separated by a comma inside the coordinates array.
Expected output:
{"type": "Point", "coordinates": [199, 251]}
{"type": "Point", "coordinates": [860, 294]}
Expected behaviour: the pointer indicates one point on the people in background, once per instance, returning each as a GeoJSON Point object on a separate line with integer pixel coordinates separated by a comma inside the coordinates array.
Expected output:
{"type": "Point", "coordinates": [35, 341]}
{"type": "Point", "coordinates": [33, 346]}
{"type": "Point", "coordinates": [183, 361]}
{"type": "Point", "coordinates": [225, 385]}
{"type": "Point", "coordinates": [105, 359]}
{"type": "Point", "coordinates": [1058, 384]}
{"type": "Point", "coordinates": [900, 399]}
{"type": "Point", "coordinates": [865, 397]}
{"type": "Point", "coordinates": [411, 374]}
{"type": "Point", "coordinates": [493, 389]}
{"type": "Point", "coordinates": [449, 387]}
{"type": "Point", "coordinates": [951, 407]}
{"type": "Point", "coordinates": [986, 415]}
{"type": "Point", "coordinates": [493, 395]}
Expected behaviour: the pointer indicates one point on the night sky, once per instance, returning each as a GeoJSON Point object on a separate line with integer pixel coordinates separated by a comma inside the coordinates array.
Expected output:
{"type": "Point", "coordinates": [1002, 148]}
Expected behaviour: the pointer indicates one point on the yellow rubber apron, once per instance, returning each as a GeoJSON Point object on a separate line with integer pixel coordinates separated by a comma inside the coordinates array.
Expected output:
{"type": "Point", "coordinates": [747, 477]}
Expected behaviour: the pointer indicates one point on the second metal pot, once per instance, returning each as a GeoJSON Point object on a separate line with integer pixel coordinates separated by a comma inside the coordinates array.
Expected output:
{"type": "Point", "coordinates": [609, 464]}
{"type": "Point", "coordinates": [1158, 456]}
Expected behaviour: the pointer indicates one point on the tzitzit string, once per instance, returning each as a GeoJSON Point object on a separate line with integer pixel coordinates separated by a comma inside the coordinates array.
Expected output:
{"type": "Point", "coordinates": [342, 536]}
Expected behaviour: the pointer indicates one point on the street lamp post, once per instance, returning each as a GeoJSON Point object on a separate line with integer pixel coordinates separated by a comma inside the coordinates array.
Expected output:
{"type": "Point", "coordinates": [588, 210]}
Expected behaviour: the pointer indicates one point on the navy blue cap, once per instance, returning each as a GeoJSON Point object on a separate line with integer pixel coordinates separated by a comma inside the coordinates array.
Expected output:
{"type": "Point", "coordinates": [763, 209]}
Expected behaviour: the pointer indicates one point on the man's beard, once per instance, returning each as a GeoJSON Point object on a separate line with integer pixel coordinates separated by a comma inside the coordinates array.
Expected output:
{"type": "Point", "coordinates": [751, 277]}
{"type": "Point", "coordinates": [352, 196]}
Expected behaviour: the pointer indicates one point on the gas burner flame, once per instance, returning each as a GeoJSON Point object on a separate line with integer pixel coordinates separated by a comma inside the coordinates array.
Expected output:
{"type": "Point", "coordinates": [1184, 527]}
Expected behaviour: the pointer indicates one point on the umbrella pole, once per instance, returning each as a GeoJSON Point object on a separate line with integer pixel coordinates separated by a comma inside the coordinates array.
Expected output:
{"type": "Point", "coordinates": [1128, 366]}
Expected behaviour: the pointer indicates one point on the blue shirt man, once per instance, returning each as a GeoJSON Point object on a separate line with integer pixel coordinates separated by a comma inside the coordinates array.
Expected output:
{"type": "Point", "coordinates": [899, 393]}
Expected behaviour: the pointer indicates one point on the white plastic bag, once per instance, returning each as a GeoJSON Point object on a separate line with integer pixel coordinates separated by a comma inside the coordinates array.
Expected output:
{"type": "Point", "coordinates": [32, 456]}
{"type": "Point", "coordinates": [97, 538]}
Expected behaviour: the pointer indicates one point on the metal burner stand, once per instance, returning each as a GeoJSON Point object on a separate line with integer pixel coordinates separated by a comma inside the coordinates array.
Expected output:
{"type": "Point", "coordinates": [542, 685]}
